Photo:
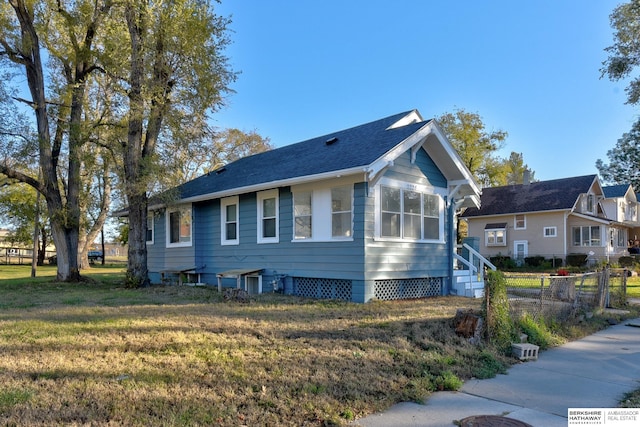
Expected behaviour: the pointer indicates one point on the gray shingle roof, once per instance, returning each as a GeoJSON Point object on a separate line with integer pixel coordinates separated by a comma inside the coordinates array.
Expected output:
{"type": "Point", "coordinates": [619, 190]}
{"type": "Point", "coordinates": [555, 194]}
{"type": "Point", "coordinates": [355, 147]}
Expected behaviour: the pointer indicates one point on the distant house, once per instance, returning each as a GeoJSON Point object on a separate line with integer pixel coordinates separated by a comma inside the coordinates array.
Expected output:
{"type": "Point", "coordinates": [367, 212]}
{"type": "Point", "coordinates": [620, 204]}
{"type": "Point", "coordinates": [554, 219]}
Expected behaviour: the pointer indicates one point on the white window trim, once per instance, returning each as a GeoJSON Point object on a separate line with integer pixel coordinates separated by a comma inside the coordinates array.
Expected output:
{"type": "Point", "coordinates": [525, 251]}
{"type": "Point", "coordinates": [227, 201]}
{"type": "Point", "coordinates": [423, 189]}
{"type": "Point", "coordinates": [504, 237]}
{"type": "Point", "coordinates": [515, 222]}
{"type": "Point", "coordinates": [270, 194]}
{"type": "Point", "coordinates": [581, 243]}
{"type": "Point", "coordinates": [150, 218]}
{"type": "Point", "coordinates": [184, 208]}
{"type": "Point", "coordinates": [331, 212]}
{"type": "Point", "coordinates": [321, 213]}
{"type": "Point", "coordinates": [553, 228]}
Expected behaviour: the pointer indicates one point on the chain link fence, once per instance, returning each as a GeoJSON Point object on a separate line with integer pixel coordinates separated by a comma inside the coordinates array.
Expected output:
{"type": "Point", "coordinates": [560, 298]}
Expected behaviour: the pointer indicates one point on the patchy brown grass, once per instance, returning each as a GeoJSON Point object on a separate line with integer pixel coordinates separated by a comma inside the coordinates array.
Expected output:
{"type": "Point", "coordinates": [99, 354]}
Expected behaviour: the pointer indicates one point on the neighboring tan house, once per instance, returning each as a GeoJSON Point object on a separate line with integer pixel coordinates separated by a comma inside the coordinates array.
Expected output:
{"type": "Point", "coordinates": [367, 212]}
{"type": "Point", "coordinates": [554, 219]}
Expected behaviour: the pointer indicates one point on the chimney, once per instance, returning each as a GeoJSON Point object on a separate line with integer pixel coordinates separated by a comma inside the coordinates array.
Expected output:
{"type": "Point", "coordinates": [526, 177]}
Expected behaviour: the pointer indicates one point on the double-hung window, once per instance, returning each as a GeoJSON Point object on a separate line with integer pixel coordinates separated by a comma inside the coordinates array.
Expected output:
{"type": "Point", "coordinates": [230, 222]}
{"type": "Point", "coordinates": [520, 222]}
{"type": "Point", "coordinates": [495, 234]}
{"type": "Point", "coordinates": [179, 226]}
{"type": "Point", "coordinates": [341, 217]}
{"type": "Point", "coordinates": [495, 237]}
{"type": "Point", "coordinates": [149, 230]}
{"type": "Point", "coordinates": [410, 214]}
{"type": "Point", "coordinates": [268, 217]}
{"type": "Point", "coordinates": [302, 215]}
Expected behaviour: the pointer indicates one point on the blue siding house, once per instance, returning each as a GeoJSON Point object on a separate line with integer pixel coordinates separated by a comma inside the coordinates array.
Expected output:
{"type": "Point", "coordinates": [363, 213]}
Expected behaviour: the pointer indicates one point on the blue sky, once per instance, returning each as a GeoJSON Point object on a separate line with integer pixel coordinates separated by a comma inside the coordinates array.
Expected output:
{"type": "Point", "coordinates": [529, 68]}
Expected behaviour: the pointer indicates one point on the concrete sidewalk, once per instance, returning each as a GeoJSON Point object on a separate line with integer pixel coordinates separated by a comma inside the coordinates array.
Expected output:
{"type": "Point", "coordinates": [594, 372]}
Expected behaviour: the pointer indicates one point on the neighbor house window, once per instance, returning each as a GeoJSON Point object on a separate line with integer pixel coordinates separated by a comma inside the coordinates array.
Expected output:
{"type": "Point", "coordinates": [268, 216]}
{"type": "Point", "coordinates": [586, 236]}
{"type": "Point", "coordinates": [149, 231]}
{"type": "Point", "coordinates": [179, 227]}
{"type": "Point", "coordinates": [520, 222]}
{"type": "Point", "coordinates": [302, 215]}
{"type": "Point", "coordinates": [230, 224]}
{"type": "Point", "coordinates": [341, 217]}
{"type": "Point", "coordinates": [621, 238]}
{"type": "Point", "coordinates": [550, 232]}
{"type": "Point", "coordinates": [410, 214]}
{"type": "Point", "coordinates": [495, 234]}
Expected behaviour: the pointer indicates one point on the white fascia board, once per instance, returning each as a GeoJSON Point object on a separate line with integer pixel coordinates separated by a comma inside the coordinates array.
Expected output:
{"type": "Point", "coordinates": [416, 138]}
{"type": "Point", "coordinates": [275, 184]}
{"type": "Point", "coordinates": [511, 214]}
{"type": "Point", "coordinates": [412, 117]}
{"type": "Point", "coordinates": [454, 156]}
{"type": "Point", "coordinates": [593, 218]}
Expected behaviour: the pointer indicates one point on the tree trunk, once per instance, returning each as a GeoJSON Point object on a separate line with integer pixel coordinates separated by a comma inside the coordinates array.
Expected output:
{"type": "Point", "coordinates": [134, 172]}
{"type": "Point", "coordinates": [64, 224]}
{"type": "Point", "coordinates": [137, 273]}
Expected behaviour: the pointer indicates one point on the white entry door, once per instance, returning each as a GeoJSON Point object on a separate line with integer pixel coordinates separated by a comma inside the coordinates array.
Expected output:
{"type": "Point", "coordinates": [520, 250]}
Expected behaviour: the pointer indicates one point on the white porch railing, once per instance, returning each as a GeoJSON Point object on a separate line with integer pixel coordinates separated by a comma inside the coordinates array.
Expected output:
{"type": "Point", "coordinates": [470, 281]}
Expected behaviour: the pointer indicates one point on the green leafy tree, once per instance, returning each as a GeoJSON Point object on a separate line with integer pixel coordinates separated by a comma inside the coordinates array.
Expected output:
{"type": "Point", "coordinates": [622, 63]}
{"type": "Point", "coordinates": [624, 55]}
{"type": "Point", "coordinates": [205, 151]}
{"type": "Point", "coordinates": [624, 160]}
{"type": "Point", "coordinates": [168, 67]}
{"type": "Point", "coordinates": [476, 146]}
{"type": "Point", "coordinates": [69, 32]}
{"type": "Point", "coordinates": [18, 207]}
{"type": "Point", "coordinates": [514, 170]}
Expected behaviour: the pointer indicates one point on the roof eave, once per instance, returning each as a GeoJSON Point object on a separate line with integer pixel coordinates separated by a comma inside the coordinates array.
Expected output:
{"type": "Point", "coordinates": [418, 140]}
{"type": "Point", "coordinates": [272, 184]}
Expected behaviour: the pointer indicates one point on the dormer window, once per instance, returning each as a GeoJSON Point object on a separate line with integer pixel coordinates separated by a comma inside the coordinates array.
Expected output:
{"type": "Point", "coordinates": [590, 203]}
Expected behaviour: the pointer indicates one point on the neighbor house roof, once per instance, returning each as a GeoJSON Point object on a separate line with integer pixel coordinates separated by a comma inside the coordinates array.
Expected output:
{"type": "Point", "coordinates": [366, 149]}
{"type": "Point", "coordinates": [619, 190]}
{"type": "Point", "coordinates": [557, 194]}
